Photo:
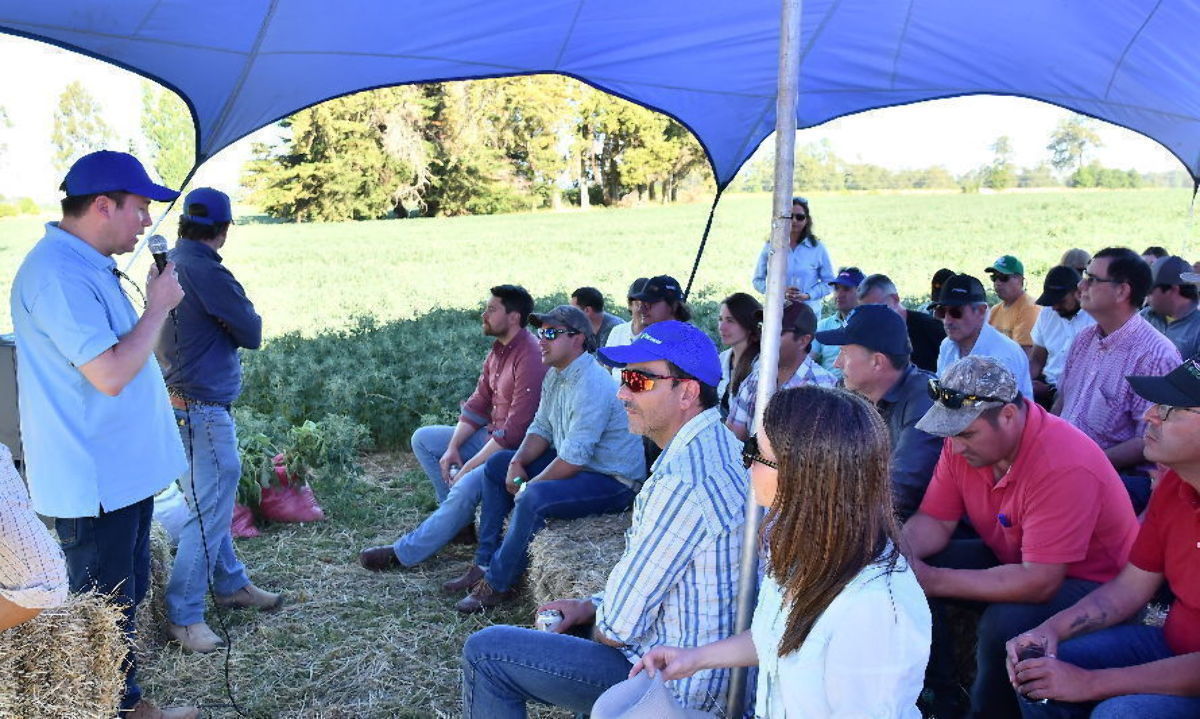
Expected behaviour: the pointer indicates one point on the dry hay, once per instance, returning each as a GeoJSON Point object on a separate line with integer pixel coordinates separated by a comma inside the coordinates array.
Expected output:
{"type": "Point", "coordinates": [572, 558]}
{"type": "Point", "coordinates": [151, 616]}
{"type": "Point", "coordinates": [65, 662]}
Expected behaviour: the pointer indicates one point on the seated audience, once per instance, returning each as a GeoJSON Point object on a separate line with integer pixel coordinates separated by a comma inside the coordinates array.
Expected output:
{"type": "Point", "coordinates": [494, 418]}
{"type": "Point", "coordinates": [1060, 320]}
{"type": "Point", "coordinates": [841, 628]}
{"type": "Point", "coordinates": [1076, 259]}
{"type": "Point", "coordinates": [1153, 253]}
{"type": "Point", "coordinates": [577, 458]}
{"type": "Point", "coordinates": [924, 332]}
{"type": "Point", "coordinates": [1092, 392]}
{"type": "Point", "coordinates": [963, 309]}
{"type": "Point", "coordinates": [1098, 661]}
{"type": "Point", "coordinates": [591, 302]}
{"type": "Point", "coordinates": [1171, 304]}
{"type": "Point", "coordinates": [738, 327]}
{"type": "Point", "coordinates": [1052, 516]}
{"type": "Point", "coordinates": [875, 363]}
{"type": "Point", "coordinates": [33, 571]}
{"type": "Point", "coordinates": [674, 583]}
{"type": "Point", "coordinates": [795, 367]}
{"type": "Point", "coordinates": [1015, 314]}
{"type": "Point", "coordinates": [809, 268]}
{"type": "Point", "coordinates": [845, 299]}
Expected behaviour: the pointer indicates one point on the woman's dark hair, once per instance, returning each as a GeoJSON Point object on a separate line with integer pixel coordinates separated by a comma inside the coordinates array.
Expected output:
{"type": "Point", "coordinates": [515, 298]}
{"type": "Point", "coordinates": [832, 514]}
{"type": "Point", "coordinates": [808, 236]}
{"type": "Point", "coordinates": [744, 309]}
{"type": "Point", "coordinates": [680, 310]}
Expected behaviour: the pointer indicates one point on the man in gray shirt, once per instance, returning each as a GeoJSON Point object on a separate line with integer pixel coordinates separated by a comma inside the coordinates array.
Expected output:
{"type": "Point", "coordinates": [577, 458]}
{"type": "Point", "coordinates": [1171, 304]}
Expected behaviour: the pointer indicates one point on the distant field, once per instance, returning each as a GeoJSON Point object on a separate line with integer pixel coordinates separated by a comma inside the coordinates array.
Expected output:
{"type": "Point", "coordinates": [315, 276]}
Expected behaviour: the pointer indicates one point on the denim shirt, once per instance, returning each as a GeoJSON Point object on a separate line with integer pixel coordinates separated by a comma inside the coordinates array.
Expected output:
{"type": "Point", "coordinates": [914, 453]}
{"type": "Point", "coordinates": [585, 422]}
{"type": "Point", "coordinates": [808, 268]}
{"type": "Point", "coordinates": [199, 355]}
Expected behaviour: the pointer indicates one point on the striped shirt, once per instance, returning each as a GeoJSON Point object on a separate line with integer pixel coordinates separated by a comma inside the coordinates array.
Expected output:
{"type": "Point", "coordinates": [676, 582]}
{"type": "Point", "coordinates": [33, 572]}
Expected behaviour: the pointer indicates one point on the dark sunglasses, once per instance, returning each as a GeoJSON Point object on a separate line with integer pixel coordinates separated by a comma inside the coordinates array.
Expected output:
{"type": "Point", "coordinates": [941, 311]}
{"type": "Point", "coordinates": [799, 216]}
{"type": "Point", "coordinates": [552, 333]}
{"type": "Point", "coordinates": [750, 454]}
{"type": "Point", "coordinates": [638, 381]}
{"type": "Point", "coordinates": [1000, 277]}
{"type": "Point", "coordinates": [954, 399]}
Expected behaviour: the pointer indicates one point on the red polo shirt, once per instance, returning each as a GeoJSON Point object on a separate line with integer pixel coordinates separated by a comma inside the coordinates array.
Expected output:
{"type": "Point", "coordinates": [1060, 502]}
{"type": "Point", "coordinates": [1169, 544]}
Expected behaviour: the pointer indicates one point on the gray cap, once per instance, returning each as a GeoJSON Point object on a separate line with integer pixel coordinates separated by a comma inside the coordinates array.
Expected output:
{"type": "Point", "coordinates": [976, 377]}
{"type": "Point", "coordinates": [1169, 271]}
{"type": "Point", "coordinates": [568, 316]}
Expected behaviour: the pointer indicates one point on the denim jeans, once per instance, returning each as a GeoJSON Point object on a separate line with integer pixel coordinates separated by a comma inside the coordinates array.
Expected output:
{"type": "Point", "coordinates": [430, 443]}
{"type": "Point", "coordinates": [1120, 646]}
{"type": "Point", "coordinates": [504, 667]}
{"type": "Point", "coordinates": [577, 496]}
{"type": "Point", "coordinates": [456, 511]}
{"type": "Point", "coordinates": [210, 489]}
{"type": "Point", "coordinates": [111, 554]}
{"type": "Point", "coordinates": [991, 694]}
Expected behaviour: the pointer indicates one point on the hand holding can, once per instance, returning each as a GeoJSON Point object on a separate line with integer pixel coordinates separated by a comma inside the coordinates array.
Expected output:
{"type": "Point", "coordinates": [547, 620]}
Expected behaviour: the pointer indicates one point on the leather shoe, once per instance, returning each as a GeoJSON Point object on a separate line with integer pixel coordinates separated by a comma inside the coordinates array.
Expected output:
{"type": "Point", "coordinates": [483, 596]}
{"type": "Point", "coordinates": [466, 535]}
{"type": "Point", "coordinates": [465, 582]}
{"type": "Point", "coordinates": [145, 709]}
{"type": "Point", "coordinates": [379, 559]}
{"type": "Point", "coordinates": [196, 637]}
{"type": "Point", "coordinates": [251, 597]}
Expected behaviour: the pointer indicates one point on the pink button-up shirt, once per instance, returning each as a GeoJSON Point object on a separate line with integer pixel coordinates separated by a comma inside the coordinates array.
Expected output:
{"type": "Point", "coordinates": [508, 392]}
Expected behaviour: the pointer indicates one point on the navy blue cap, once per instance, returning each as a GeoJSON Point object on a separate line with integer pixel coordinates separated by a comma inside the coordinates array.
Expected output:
{"type": "Point", "coordinates": [960, 290]}
{"type": "Point", "coordinates": [1179, 388]}
{"type": "Point", "coordinates": [848, 277]}
{"type": "Point", "coordinates": [108, 171]}
{"type": "Point", "coordinates": [678, 342]}
{"type": "Point", "coordinates": [876, 327]}
{"type": "Point", "coordinates": [206, 206]}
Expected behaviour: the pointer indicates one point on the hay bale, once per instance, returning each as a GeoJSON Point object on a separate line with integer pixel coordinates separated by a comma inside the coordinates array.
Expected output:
{"type": "Point", "coordinates": [65, 662]}
{"type": "Point", "coordinates": [572, 558]}
{"type": "Point", "coordinates": [151, 616]}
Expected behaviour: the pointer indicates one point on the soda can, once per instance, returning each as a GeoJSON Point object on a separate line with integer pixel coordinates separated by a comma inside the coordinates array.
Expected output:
{"type": "Point", "coordinates": [454, 469]}
{"type": "Point", "coordinates": [547, 620]}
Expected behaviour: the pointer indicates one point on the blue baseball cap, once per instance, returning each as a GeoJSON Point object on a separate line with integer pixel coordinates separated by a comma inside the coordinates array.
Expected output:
{"type": "Point", "coordinates": [876, 327]}
{"type": "Point", "coordinates": [206, 206]}
{"type": "Point", "coordinates": [848, 277]}
{"type": "Point", "coordinates": [108, 171]}
{"type": "Point", "coordinates": [678, 342]}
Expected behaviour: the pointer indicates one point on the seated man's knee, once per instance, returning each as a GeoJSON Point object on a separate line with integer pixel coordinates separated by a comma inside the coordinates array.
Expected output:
{"type": "Point", "coordinates": [496, 466]}
{"type": "Point", "coordinates": [486, 643]}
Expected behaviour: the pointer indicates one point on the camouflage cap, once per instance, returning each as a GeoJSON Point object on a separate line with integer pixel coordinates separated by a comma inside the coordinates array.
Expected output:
{"type": "Point", "coordinates": [967, 388]}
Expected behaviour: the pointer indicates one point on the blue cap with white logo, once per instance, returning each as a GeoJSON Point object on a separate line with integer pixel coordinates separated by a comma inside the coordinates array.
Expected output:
{"type": "Point", "coordinates": [680, 343]}
{"type": "Point", "coordinates": [108, 171]}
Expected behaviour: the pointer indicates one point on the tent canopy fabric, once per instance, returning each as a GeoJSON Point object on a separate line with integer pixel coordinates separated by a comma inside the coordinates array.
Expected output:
{"type": "Point", "coordinates": [711, 64]}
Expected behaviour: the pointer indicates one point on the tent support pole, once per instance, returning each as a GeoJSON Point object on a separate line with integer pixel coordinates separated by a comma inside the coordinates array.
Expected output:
{"type": "Point", "coordinates": [781, 216]}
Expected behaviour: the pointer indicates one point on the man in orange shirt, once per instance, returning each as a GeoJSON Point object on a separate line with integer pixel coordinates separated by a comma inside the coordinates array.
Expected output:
{"type": "Point", "coordinates": [1016, 312]}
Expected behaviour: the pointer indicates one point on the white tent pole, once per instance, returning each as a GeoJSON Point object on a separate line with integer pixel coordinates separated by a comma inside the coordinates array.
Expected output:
{"type": "Point", "coordinates": [781, 217]}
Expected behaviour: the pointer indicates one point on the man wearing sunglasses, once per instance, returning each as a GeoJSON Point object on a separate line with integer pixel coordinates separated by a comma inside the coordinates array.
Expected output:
{"type": "Point", "coordinates": [963, 309]}
{"type": "Point", "coordinates": [1015, 314]}
{"type": "Point", "coordinates": [1096, 654]}
{"type": "Point", "coordinates": [577, 458]}
{"type": "Point", "coordinates": [1052, 518]}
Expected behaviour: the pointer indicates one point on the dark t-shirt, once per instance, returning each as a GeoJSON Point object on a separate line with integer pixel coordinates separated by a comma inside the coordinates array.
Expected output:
{"type": "Point", "coordinates": [926, 335]}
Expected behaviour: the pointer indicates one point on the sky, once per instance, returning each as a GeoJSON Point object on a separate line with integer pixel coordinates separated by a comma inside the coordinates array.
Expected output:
{"type": "Point", "coordinates": [954, 133]}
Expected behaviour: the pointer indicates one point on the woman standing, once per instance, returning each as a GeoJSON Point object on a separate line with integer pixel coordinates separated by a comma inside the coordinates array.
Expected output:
{"type": "Point", "coordinates": [841, 627]}
{"type": "Point", "coordinates": [809, 268]}
{"type": "Point", "coordinates": [738, 327]}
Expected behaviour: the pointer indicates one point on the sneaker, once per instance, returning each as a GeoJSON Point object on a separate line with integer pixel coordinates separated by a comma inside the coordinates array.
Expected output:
{"type": "Point", "coordinates": [145, 709]}
{"type": "Point", "coordinates": [464, 582]}
{"type": "Point", "coordinates": [379, 559]}
{"type": "Point", "coordinates": [198, 637]}
{"type": "Point", "coordinates": [251, 597]}
{"type": "Point", "coordinates": [482, 597]}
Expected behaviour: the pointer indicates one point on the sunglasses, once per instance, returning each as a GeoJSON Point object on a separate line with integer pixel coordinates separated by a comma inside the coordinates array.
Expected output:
{"type": "Point", "coordinates": [799, 216]}
{"type": "Point", "coordinates": [750, 454]}
{"type": "Point", "coordinates": [1000, 277]}
{"type": "Point", "coordinates": [638, 381]}
{"type": "Point", "coordinates": [552, 333]}
{"type": "Point", "coordinates": [954, 399]}
{"type": "Point", "coordinates": [941, 311]}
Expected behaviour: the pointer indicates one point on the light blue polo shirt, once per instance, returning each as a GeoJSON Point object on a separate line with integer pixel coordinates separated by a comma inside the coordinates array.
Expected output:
{"type": "Point", "coordinates": [84, 451]}
{"type": "Point", "coordinates": [991, 343]}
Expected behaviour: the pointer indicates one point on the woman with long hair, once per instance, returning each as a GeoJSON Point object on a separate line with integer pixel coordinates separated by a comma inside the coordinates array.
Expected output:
{"type": "Point", "coordinates": [737, 324]}
{"type": "Point", "coordinates": [809, 267]}
{"type": "Point", "coordinates": [841, 627]}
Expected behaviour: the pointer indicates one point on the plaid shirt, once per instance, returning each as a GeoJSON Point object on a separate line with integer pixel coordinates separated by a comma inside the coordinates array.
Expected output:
{"type": "Point", "coordinates": [33, 571]}
{"type": "Point", "coordinates": [741, 410]}
{"type": "Point", "coordinates": [676, 582]}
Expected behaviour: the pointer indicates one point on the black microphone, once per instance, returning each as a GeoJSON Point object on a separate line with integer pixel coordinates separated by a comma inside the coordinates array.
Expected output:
{"type": "Point", "coordinates": [158, 250]}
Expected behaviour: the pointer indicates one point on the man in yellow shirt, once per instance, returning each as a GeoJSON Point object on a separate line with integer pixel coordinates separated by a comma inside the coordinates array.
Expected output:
{"type": "Point", "coordinates": [1016, 312]}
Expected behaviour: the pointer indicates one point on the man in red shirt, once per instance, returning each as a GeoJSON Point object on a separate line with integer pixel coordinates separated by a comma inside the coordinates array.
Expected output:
{"type": "Point", "coordinates": [1107, 668]}
{"type": "Point", "coordinates": [1053, 519]}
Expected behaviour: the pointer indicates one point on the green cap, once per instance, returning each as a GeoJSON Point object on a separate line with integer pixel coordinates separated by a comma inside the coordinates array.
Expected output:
{"type": "Point", "coordinates": [1007, 264]}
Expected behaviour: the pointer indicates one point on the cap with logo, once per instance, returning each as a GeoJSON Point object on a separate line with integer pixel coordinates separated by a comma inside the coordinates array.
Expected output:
{"type": "Point", "coordinates": [876, 327]}
{"type": "Point", "coordinates": [983, 383]}
{"type": "Point", "coordinates": [961, 290]}
{"type": "Point", "coordinates": [108, 171]}
{"type": "Point", "coordinates": [1059, 282]}
{"type": "Point", "coordinates": [848, 277]}
{"type": "Point", "coordinates": [1170, 271]}
{"type": "Point", "coordinates": [680, 343]}
{"type": "Point", "coordinates": [568, 316]}
{"type": "Point", "coordinates": [662, 287]}
{"type": "Point", "coordinates": [1007, 265]}
{"type": "Point", "coordinates": [1179, 388]}
{"type": "Point", "coordinates": [206, 206]}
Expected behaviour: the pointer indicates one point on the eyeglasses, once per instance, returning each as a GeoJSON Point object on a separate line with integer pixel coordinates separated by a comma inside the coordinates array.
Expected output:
{"type": "Point", "coordinates": [954, 399]}
{"type": "Point", "coordinates": [552, 333]}
{"type": "Point", "coordinates": [638, 381]}
{"type": "Point", "coordinates": [1089, 279]}
{"type": "Point", "coordinates": [941, 311]}
{"type": "Point", "coordinates": [1164, 410]}
{"type": "Point", "coordinates": [799, 216]}
{"type": "Point", "coordinates": [750, 454]}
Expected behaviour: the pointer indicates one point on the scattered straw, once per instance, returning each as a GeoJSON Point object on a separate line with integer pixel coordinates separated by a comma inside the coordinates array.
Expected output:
{"type": "Point", "coordinates": [572, 558]}
{"type": "Point", "coordinates": [151, 616]}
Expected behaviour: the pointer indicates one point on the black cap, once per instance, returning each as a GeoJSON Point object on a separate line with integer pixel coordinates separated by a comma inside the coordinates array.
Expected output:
{"type": "Point", "coordinates": [662, 287]}
{"type": "Point", "coordinates": [939, 279]}
{"type": "Point", "coordinates": [961, 290]}
{"type": "Point", "coordinates": [798, 317]}
{"type": "Point", "coordinates": [1179, 388]}
{"type": "Point", "coordinates": [1059, 282]}
{"type": "Point", "coordinates": [876, 327]}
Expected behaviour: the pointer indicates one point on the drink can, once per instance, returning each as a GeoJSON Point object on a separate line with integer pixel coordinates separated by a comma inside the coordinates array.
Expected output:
{"type": "Point", "coordinates": [454, 470]}
{"type": "Point", "coordinates": [547, 620]}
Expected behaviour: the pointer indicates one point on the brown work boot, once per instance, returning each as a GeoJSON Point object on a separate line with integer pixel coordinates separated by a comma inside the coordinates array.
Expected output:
{"type": "Point", "coordinates": [379, 559]}
{"type": "Point", "coordinates": [465, 582]}
{"type": "Point", "coordinates": [145, 709]}
{"type": "Point", "coordinates": [251, 597]}
{"type": "Point", "coordinates": [482, 597]}
{"type": "Point", "coordinates": [198, 637]}
{"type": "Point", "coordinates": [466, 535]}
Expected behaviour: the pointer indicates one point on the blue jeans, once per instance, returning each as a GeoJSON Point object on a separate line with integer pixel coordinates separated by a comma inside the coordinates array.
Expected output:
{"type": "Point", "coordinates": [111, 554]}
{"type": "Point", "coordinates": [430, 443]}
{"type": "Point", "coordinates": [210, 488]}
{"type": "Point", "coordinates": [577, 496]}
{"type": "Point", "coordinates": [456, 511]}
{"type": "Point", "coordinates": [1120, 646]}
{"type": "Point", "coordinates": [504, 667]}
